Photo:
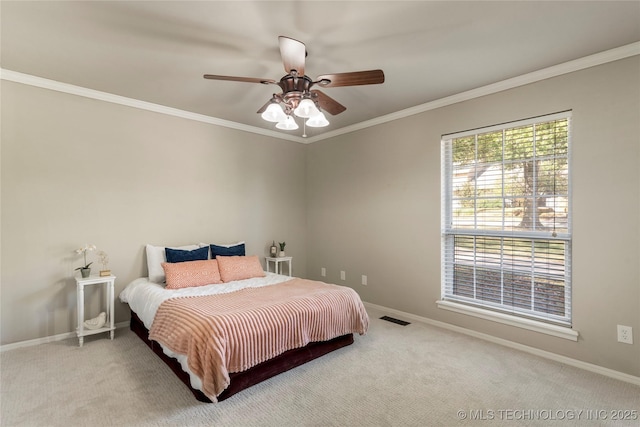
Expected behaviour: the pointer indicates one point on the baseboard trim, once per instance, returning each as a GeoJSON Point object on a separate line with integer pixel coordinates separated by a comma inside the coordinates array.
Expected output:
{"type": "Point", "coordinates": [52, 338]}
{"type": "Point", "coordinates": [611, 373]}
{"type": "Point", "coordinates": [632, 379]}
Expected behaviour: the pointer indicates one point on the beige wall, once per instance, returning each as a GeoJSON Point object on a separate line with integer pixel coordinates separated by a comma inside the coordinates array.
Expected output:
{"type": "Point", "coordinates": [373, 207]}
{"type": "Point", "coordinates": [77, 170]}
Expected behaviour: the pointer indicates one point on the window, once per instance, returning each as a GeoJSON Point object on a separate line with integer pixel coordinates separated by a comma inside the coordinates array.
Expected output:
{"type": "Point", "coordinates": [506, 219]}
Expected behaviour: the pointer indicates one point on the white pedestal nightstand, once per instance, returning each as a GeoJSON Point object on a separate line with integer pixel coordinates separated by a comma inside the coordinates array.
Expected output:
{"type": "Point", "coordinates": [109, 326]}
{"type": "Point", "coordinates": [276, 263]}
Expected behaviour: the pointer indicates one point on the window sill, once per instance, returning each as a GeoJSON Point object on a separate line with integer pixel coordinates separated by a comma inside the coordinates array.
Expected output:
{"type": "Point", "coordinates": [532, 325]}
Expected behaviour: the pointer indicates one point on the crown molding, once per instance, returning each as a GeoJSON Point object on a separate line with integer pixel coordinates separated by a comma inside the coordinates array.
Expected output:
{"type": "Point", "coordinates": [604, 57]}
{"type": "Point", "coordinates": [43, 83]}
{"type": "Point", "coordinates": [611, 55]}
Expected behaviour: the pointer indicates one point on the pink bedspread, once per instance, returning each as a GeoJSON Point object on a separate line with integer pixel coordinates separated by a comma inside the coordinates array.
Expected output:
{"type": "Point", "coordinates": [233, 332]}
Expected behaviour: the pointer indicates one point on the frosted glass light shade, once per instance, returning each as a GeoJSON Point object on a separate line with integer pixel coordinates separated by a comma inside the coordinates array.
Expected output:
{"type": "Point", "coordinates": [318, 121]}
{"type": "Point", "coordinates": [287, 124]}
{"type": "Point", "coordinates": [306, 108]}
{"type": "Point", "coordinates": [274, 113]}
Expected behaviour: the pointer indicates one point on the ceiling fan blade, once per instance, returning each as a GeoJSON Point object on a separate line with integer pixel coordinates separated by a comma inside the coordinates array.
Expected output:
{"type": "Point", "coordinates": [293, 54]}
{"type": "Point", "coordinates": [327, 103]}
{"type": "Point", "coordinates": [240, 79]}
{"type": "Point", "coordinates": [371, 77]}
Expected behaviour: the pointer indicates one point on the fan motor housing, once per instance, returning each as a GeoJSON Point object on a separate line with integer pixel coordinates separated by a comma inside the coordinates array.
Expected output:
{"type": "Point", "coordinates": [290, 83]}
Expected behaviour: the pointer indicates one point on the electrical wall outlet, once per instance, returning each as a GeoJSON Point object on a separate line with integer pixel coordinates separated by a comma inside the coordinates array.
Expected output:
{"type": "Point", "coordinates": [323, 272]}
{"type": "Point", "coordinates": [364, 280]}
{"type": "Point", "coordinates": [343, 275]}
{"type": "Point", "coordinates": [625, 334]}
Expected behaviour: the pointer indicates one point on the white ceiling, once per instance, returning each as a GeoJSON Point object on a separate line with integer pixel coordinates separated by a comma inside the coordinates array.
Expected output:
{"type": "Point", "coordinates": [158, 51]}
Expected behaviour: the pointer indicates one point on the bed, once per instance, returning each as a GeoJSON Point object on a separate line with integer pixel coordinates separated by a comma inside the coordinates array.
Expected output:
{"type": "Point", "coordinates": [224, 337]}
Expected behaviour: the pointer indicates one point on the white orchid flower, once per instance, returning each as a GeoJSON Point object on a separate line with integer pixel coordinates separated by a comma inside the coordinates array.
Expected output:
{"type": "Point", "coordinates": [87, 248]}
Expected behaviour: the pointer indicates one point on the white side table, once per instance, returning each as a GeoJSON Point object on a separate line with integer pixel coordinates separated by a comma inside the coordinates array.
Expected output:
{"type": "Point", "coordinates": [109, 326]}
{"type": "Point", "coordinates": [276, 263]}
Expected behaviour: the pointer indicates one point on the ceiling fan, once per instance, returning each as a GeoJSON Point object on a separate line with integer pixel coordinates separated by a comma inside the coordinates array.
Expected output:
{"type": "Point", "coordinates": [297, 97]}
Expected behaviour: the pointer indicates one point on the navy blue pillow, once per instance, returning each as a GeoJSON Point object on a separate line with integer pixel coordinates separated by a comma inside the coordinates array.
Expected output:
{"type": "Point", "coordinates": [180, 255]}
{"type": "Point", "coordinates": [236, 250]}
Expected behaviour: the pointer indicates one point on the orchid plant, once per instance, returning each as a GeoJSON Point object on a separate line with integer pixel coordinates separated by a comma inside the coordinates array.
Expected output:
{"type": "Point", "coordinates": [83, 250]}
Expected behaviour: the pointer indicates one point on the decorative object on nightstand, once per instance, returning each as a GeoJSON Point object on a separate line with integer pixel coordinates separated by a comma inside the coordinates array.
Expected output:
{"type": "Point", "coordinates": [282, 245]}
{"type": "Point", "coordinates": [104, 260]}
{"type": "Point", "coordinates": [104, 322]}
{"type": "Point", "coordinates": [276, 263]}
{"type": "Point", "coordinates": [96, 322]}
{"type": "Point", "coordinates": [273, 250]}
{"type": "Point", "coordinates": [85, 271]}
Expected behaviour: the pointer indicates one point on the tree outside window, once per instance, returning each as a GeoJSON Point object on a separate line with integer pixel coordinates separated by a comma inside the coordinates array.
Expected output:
{"type": "Point", "coordinates": [506, 229]}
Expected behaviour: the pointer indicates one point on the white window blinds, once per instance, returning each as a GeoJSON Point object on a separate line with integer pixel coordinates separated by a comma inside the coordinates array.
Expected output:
{"type": "Point", "coordinates": [506, 218]}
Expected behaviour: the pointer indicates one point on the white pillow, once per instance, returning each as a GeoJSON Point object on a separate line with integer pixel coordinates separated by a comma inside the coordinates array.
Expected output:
{"type": "Point", "coordinates": [156, 256]}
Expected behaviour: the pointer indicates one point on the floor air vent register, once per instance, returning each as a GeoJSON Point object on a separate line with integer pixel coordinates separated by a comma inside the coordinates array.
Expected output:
{"type": "Point", "coordinates": [394, 320]}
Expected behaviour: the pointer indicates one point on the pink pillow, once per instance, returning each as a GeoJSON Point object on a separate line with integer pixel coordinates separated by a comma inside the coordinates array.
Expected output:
{"type": "Point", "coordinates": [191, 273]}
{"type": "Point", "coordinates": [239, 267]}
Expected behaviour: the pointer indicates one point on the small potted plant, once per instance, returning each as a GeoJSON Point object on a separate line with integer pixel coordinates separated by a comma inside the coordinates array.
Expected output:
{"type": "Point", "coordinates": [85, 270]}
{"type": "Point", "coordinates": [282, 245]}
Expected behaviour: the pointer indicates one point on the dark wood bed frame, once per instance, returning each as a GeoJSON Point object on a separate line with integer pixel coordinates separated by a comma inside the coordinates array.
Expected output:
{"type": "Point", "coordinates": [242, 380]}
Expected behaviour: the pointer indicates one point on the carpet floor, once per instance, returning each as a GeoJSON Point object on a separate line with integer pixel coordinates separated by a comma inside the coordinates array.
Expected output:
{"type": "Point", "coordinates": [415, 375]}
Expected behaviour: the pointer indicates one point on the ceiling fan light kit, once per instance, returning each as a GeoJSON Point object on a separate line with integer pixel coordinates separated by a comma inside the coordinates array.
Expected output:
{"type": "Point", "coordinates": [318, 121]}
{"type": "Point", "coordinates": [306, 108]}
{"type": "Point", "coordinates": [274, 113]}
{"type": "Point", "coordinates": [297, 97]}
{"type": "Point", "coordinates": [287, 124]}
